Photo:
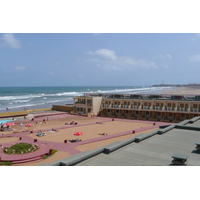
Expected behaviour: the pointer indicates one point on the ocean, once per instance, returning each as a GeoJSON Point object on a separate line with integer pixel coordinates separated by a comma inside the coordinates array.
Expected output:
{"type": "Point", "coordinates": [22, 98]}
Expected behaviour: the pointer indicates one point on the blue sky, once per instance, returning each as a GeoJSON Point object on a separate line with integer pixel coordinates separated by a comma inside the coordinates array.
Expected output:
{"type": "Point", "coordinates": [73, 59]}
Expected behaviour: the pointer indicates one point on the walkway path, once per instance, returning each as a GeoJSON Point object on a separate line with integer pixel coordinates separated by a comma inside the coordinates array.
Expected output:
{"type": "Point", "coordinates": [46, 146]}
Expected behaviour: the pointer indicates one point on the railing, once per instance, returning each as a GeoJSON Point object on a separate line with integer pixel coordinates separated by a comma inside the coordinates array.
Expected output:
{"type": "Point", "coordinates": [80, 102]}
{"type": "Point", "coordinates": [181, 109]}
{"type": "Point", "coordinates": [146, 107]}
{"type": "Point", "coordinates": [124, 106]}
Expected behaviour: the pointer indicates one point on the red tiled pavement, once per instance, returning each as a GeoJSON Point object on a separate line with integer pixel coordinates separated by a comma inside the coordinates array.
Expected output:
{"type": "Point", "coordinates": [45, 146]}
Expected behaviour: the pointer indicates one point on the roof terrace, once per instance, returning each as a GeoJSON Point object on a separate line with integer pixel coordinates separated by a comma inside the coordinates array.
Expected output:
{"type": "Point", "coordinates": [146, 96]}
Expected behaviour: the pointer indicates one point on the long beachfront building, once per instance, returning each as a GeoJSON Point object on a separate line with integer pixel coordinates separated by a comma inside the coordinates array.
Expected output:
{"type": "Point", "coordinates": [165, 107]}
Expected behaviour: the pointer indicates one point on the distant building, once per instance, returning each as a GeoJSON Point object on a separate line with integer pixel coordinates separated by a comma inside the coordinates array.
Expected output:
{"type": "Point", "coordinates": [166, 108]}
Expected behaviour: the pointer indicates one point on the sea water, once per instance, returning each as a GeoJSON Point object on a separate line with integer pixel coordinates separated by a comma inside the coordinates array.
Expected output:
{"type": "Point", "coordinates": [22, 98]}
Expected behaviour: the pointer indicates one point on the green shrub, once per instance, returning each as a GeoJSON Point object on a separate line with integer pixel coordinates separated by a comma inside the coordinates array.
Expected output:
{"type": "Point", "coordinates": [52, 152]}
{"type": "Point", "coordinates": [5, 163]}
{"type": "Point", "coordinates": [18, 148]}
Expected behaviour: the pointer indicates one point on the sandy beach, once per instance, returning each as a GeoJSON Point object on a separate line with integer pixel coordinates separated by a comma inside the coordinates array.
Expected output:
{"type": "Point", "coordinates": [183, 90]}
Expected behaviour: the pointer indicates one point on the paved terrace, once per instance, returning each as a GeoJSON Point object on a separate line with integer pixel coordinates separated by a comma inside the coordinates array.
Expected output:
{"type": "Point", "coordinates": [46, 146]}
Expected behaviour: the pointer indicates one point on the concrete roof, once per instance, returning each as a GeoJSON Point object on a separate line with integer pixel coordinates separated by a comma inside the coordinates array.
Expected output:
{"type": "Point", "coordinates": [154, 151]}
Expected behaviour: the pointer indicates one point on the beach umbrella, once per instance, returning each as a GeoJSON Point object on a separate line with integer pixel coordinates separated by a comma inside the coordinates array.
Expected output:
{"type": "Point", "coordinates": [12, 124]}
{"type": "Point", "coordinates": [28, 125]}
{"type": "Point", "coordinates": [6, 124]}
{"type": "Point", "coordinates": [78, 133]}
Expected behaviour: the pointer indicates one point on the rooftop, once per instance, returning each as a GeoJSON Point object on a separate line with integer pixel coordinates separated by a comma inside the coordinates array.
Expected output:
{"type": "Point", "coordinates": [191, 97]}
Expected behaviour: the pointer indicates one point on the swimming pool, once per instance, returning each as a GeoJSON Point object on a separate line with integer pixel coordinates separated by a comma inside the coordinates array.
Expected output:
{"type": "Point", "coordinates": [4, 121]}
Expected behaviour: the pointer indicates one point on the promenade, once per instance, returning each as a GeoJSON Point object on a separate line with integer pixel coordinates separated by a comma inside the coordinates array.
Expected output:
{"type": "Point", "coordinates": [45, 146]}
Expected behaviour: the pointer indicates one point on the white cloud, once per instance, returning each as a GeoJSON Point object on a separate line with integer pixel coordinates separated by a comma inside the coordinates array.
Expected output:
{"type": "Point", "coordinates": [194, 58]}
{"type": "Point", "coordinates": [10, 41]}
{"type": "Point", "coordinates": [104, 53]}
{"type": "Point", "coordinates": [165, 56]}
{"type": "Point", "coordinates": [107, 59]}
{"type": "Point", "coordinates": [20, 68]}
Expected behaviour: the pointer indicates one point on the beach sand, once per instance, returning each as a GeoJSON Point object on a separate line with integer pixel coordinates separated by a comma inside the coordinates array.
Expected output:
{"type": "Point", "coordinates": [183, 90]}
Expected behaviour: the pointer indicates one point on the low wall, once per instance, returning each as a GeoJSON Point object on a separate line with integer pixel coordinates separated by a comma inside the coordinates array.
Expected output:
{"type": "Point", "coordinates": [13, 114]}
{"type": "Point", "coordinates": [63, 108]}
{"type": "Point", "coordinates": [21, 113]}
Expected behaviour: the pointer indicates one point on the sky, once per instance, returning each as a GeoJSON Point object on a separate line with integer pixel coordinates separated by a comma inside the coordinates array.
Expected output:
{"type": "Point", "coordinates": [99, 43]}
{"type": "Point", "coordinates": [92, 59]}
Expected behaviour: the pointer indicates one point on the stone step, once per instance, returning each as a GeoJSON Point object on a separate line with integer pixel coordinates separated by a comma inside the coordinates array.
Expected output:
{"type": "Point", "coordinates": [27, 160]}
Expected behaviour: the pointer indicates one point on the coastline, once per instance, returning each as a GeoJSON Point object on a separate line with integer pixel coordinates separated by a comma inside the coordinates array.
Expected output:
{"type": "Point", "coordinates": [189, 90]}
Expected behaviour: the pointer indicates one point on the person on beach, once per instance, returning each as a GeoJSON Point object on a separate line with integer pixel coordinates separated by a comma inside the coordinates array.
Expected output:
{"type": "Point", "coordinates": [21, 126]}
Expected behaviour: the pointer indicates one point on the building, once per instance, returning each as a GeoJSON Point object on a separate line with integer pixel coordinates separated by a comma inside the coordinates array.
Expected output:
{"type": "Point", "coordinates": [165, 107]}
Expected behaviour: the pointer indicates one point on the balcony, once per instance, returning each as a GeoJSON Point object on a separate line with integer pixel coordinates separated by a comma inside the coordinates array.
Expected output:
{"type": "Point", "coordinates": [195, 110]}
{"type": "Point", "coordinates": [146, 107]}
{"type": "Point", "coordinates": [169, 108]}
{"type": "Point", "coordinates": [105, 105]}
{"type": "Point", "coordinates": [115, 106]}
{"type": "Point", "coordinates": [124, 106]}
{"type": "Point", "coordinates": [157, 108]}
{"type": "Point", "coordinates": [80, 102]}
{"type": "Point", "coordinates": [181, 109]}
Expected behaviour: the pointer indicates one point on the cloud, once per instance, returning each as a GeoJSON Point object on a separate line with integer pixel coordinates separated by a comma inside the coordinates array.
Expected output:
{"type": "Point", "coordinates": [165, 56]}
{"type": "Point", "coordinates": [107, 59]}
{"type": "Point", "coordinates": [19, 68]}
{"type": "Point", "coordinates": [105, 54]}
{"type": "Point", "coordinates": [10, 41]}
{"type": "Point", "coordinates": [194, 58]}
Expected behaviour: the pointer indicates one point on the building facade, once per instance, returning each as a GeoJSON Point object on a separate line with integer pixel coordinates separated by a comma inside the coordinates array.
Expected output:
{"type": "Point", "coordinates": [166, 108]}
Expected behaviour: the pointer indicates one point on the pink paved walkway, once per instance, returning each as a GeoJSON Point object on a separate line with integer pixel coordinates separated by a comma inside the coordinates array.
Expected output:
{"type": "Point", "coordinates": [45, 146]}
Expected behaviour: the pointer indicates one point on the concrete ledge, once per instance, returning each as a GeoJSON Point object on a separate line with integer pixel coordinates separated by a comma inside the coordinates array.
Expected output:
{"type": "Point", "coordinates": [192, 128]}
{"type": "Point", "coordinates": [164, 126]}
{"type": "Point", "coordinates": [184, 122]}
{"type": "Point", "coordinates": [194, 119]}
{"type": "Point", "coordinates": [145, 136]}
{"type": "Point", "coordinates": [116, 145]}
{"type": "Point", "coordinates": [79, 157]}
{"type": "Point", "coordinates": [166, 129]}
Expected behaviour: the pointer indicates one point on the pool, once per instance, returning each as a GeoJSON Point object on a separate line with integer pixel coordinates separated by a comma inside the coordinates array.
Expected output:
{"type": "Point", "coordinates": [4, 121]}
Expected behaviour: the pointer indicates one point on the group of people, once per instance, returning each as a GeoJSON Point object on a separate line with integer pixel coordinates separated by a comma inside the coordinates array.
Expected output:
{"type": "Point", "coordinates": [76, 140]}
{"type": "Point", "coordinates": [72, 123]}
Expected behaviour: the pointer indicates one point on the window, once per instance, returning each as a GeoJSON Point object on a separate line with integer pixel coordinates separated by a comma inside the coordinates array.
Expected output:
{"type": "Point", "coordinates": [89, 110]}
{"type": "Point", "coordinates": [157, 104]}
{"type": "Point", "coordinates": [194, 105]}
{"type": "Point", "coordinates": [135, 103]}
{"type": "Point", "coordinates": [169, 105]}
{"type": "Point", "coordinates": [145, 103]}
{"type": "Point", "coordinates": [126, 111]}
{"type": "Point", "coordinates": [181, 105]}
{"type": "Point", "coordinates": [89, 101]}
